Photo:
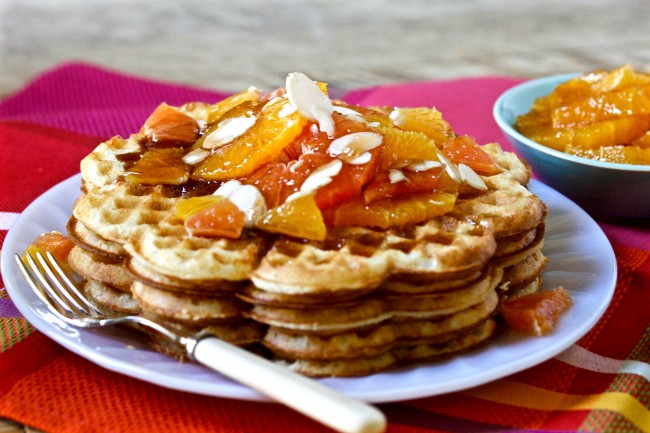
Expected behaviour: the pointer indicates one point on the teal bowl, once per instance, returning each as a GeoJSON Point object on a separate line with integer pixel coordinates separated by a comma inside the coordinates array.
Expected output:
{"type": "Point", "coordinates": [606, 190]}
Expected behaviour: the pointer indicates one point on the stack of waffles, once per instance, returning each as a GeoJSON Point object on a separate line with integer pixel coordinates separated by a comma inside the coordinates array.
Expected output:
{"type": "Point", "coordinates": [396, 246]}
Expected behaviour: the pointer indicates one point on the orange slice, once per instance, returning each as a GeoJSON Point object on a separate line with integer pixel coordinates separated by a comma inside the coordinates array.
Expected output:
{"type": "Point", "coordinates": [620, 154]}
{"type": "Point", "coordinates": [612, 132]}
{"type": "Point", "coordinates": [167, 124]}
{"type": "Point", "coordinates": [390, 212]}
{"type": "Point", "coordinates": [299, 218]}
{"type": "Point", "coordinates": [259, 145]}
{"type": "Point", "coordinates": [54, 242]}
{"type": "Point", "coordinates": [629, 101]}
{"type": "Point", "coordinates": [187, 207]}
{"type": "Point", "coordinates": [400, 145]}
{"type": "Point", "coordinates": [222, 219]}
{"type": "Point", "coordinates": [428, 121]}
{"type": "Point", "coordinates": [218, 110]}
{"type": "Point", "coordinates": [537, 313]}
{"type": "Point", "coordinates": [160, 166]}
{"type": "Point", "coordinates": [465, 150]}
{"type": "Point", "coordinates": [414, 182]}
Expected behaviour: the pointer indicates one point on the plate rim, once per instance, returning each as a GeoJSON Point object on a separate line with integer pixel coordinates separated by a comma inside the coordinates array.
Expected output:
{"type": "Point", "coordinates": [229, 389]}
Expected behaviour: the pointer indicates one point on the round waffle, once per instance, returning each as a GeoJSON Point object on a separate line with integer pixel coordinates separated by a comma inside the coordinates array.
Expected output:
{"type": "Point", "coordinates": [362, 299]}
{"type": "Point", "coordinates": [94, 267]}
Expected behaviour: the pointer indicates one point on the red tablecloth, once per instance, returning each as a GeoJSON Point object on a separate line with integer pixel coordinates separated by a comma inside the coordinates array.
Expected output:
{"type": "Point", "coordinates": [600, 384]}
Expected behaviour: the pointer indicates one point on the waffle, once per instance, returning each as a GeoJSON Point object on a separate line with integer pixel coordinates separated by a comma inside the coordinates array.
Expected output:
{"type": "Point", "coordinates": [357, 300]}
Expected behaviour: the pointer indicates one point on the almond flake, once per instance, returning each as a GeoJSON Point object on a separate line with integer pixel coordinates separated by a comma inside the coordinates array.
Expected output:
{"type": "Point", "coordinates": [424, 165]}
{"type": "Point", "coordinates": [286, 111]}
{"type": "Point", "coordinates": [247, 198]}
{"type": "Point", "coordinates": [397, 117]}
{"type": "Point", "coordinates": [227, 188]}
{"type": "Point", "coordinates": [319, 178]}
{"type": "Point", "coordinates": [353, 146]}
{"type": "Point", "coordinates": [310, 101]}
{"type": "Point", "coordinates": [350, 113]}
{"type": "Point", "coordinates": [228, 130]}
{"type": "Point", "coordinates": [396, 176]}
{"type": "Point", "coordinates": [450, 167]}
{"type": "Point", "coordinates": [196, 155]}
{"type": "Point", "coordinates": [470, 177]}
{"type": "Point", "coordinates": [364, 158]}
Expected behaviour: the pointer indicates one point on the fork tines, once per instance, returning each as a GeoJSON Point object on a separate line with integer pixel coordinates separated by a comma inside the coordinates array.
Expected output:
{"type": "Point", "coordinates": [53, 286]}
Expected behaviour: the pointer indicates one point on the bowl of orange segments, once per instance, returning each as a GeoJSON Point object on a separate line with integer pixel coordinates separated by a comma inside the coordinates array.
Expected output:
{"type": "Point", "coordinates": [587, 136]}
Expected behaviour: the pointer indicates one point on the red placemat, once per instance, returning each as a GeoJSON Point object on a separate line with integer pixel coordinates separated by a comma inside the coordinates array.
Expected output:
{"type": "Point", "coordinates": [599, 384]}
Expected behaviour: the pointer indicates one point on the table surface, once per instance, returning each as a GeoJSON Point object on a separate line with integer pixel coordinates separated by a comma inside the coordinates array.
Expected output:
{"type": "Point", "coordinates": [232, 45]}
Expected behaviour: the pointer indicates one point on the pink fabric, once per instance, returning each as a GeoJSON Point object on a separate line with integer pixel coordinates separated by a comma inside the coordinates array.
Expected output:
{"type": "Point", "coordinates": [93, 101]}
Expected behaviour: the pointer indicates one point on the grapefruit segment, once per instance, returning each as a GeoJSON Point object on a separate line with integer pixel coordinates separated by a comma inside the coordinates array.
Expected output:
{"type": "Point", "coordinates": [537, 313]}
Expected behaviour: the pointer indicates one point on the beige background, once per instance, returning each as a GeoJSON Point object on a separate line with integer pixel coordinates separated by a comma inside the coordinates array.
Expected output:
{"type": "Point", "coordinates": [232, 45]}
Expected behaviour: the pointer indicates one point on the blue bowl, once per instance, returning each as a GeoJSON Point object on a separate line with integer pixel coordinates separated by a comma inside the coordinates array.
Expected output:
{"type": "Point", "coordinates": [606, 190]}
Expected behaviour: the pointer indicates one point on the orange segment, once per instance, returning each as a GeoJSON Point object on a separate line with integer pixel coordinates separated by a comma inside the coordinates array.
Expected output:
{"type": "Point", "coordinates": [465, 150]}
{"type": "Point", "coordinates": [218, 110]}
{"type": "Point", "coordinates": [256, 147]}
{"type": "Point", "coordinates": [160, 166]}
{"type": "Point", "coordinates": [54, 242]}
{"type": "Point", "coordinates": [428, 121]}
{"type": "Point", "coordinates": [629, 101]}
{"type": "Point", "coordinates": [620, 154]}
{"type": "Point", "coordinates": [612, 132]}
{"type": "Point", "coordinates": [416, 182]}
{"type": "Point", "coordinates": [187, 207]}
{"type": "Point", "coordinates": [167, 124]}
{"type": "Point", "coordinates": [390, 212]}
{"type": "Point", "coordinates": [536, 313]}
{"type": "Point", "coordinates": [299, 218]}
{"type": "Point", "coordinates": [402, 145]}
{"type": "Point", "coordinates": [222, 219]}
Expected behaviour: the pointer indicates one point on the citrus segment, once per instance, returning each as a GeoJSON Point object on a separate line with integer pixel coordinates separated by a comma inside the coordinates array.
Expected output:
{"type": "Point", "coordinates": [218, 110]}
{"type": "Point", "coordinates": [222, 219]}
{"type": "Point", "coordinates": [299, 218]}
{"type": "Point", "coordinates": [428, 121]}
{"type": "Point", "coordinates": [160, 166]}
{"type": "Point", "coordinates": [54, 242]}
{"type": "Point", "coordinates": [629, 101]}
{"type": "Point", "coordinates": [258, 146]}
{"type": "Point", "coordinates": [619, 154]}
{"type": "Point", "coordinates": [168, 124]}
{"type": "Point", "coordinates": [390, 212]}
{"type": "Point", "coordinates": [536, 313]}
{"type": "Point", "coordinates": [612, 132]}
{"type": "Point", "coordinates": [465, 150]}
{"type": "Point", "coordinates": [414, 182]}
{"type": "Point", "coordinates": [187, 207]}
{"type": "Point", "coordinates": [402, 145]}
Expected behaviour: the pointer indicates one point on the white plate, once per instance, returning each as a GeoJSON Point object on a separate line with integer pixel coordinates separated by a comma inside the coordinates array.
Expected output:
{"type": "Point", "coordinates": [581, 259]}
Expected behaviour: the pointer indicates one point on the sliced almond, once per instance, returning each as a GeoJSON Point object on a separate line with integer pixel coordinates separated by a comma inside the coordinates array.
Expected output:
{"type": "Point", "coordinates": [396, 176]}
{"type": "Point", "coordinates": [469, 176]}
{"type": "Point", "coordinates": [228, 130]}
{"type": "Point", "coordinates": [423, 165]}
{"type": "Point", "coordinates": [196, 155]}
{"type": "Point", "coordinates": [350, 113]}
{"type": "Point", "coordinates": [319, 178]}
{"type": "Point", "coordinates": [352, 146]}
{"type": "Point", "coordinates": [450, 167]}
{"type": "Point", "coordinates": [247, 198]}
{"type": "Point", "coordinates": [310, 101]}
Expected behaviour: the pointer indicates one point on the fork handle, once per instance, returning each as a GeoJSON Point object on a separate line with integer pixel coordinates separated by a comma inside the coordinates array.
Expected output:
{"type": "Point", "coordinates": [307, 396]}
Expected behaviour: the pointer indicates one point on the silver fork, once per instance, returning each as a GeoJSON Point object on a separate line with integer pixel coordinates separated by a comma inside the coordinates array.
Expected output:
{"type": "Point", "coordinates": [63, 299]}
